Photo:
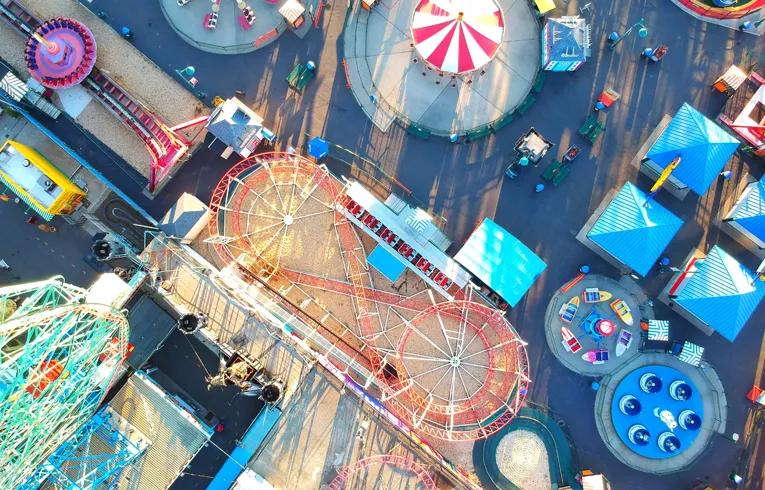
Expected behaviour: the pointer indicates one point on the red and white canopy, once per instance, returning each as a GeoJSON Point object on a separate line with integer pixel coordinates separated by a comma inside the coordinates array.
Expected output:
{"type": "Point", "coordinates": [457, 36]}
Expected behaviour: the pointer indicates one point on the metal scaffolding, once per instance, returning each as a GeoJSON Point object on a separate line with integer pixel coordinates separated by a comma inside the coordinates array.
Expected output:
{"type": "Point", "coordinates": [58, 357]}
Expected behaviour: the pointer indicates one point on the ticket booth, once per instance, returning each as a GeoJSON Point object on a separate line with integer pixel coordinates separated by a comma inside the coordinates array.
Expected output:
{"type": "Point", "coordinates": [294, 13]}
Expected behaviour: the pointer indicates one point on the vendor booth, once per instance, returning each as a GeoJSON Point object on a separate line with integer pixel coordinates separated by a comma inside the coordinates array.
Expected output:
{"type": "Point", "coordinates": [500, 261]}
{"type": "Point", "coordinates": [747, 216]}
{"type": "Point", "coordinates": [744, 111]}
{"type": "Point", "coordinates": [702, 147]}
{"type": "Point", "coordinates": [293, 13]}
{"type": "Point", "coordinates": [565, 43]}
{"type": "Point", "coordinates": [714, 292]}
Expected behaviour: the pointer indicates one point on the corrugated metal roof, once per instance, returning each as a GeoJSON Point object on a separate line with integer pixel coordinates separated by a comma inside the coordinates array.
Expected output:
{"type": "Point", "coordinates": [722, 293]}
{"type": "Point", "coordinates": [175, 435]}
{"type": "Point", "coordinates": [633, 233]}
{"type": "Point", "coordinates": [750, 214]}
{"type": "Point", "coordinates": [501, 261]}
{"type": "Point", "coordinates": [703, 145]}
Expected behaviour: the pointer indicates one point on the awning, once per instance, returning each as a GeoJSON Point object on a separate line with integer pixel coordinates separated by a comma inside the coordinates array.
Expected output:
{"type": "Point", "coordinates": [457, 36]}
{"type": "Point", "coordinates": [658, 330]}
{"type": "Point", "coordinates": [500, 261]}
{"type": "Point", "coordinates": [292, 10]}
{"type": "Point", "coordinates": [691, 353]}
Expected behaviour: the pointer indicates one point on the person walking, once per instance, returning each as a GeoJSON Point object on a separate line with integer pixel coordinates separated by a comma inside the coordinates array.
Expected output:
{"type": "Point", "coordinates": [4, 265]}
{"type": "Point", "coordinates": [726, 174]}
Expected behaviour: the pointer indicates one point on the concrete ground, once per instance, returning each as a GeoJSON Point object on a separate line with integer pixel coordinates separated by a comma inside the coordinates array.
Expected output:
{"type": "Point", "coordinates": [382, 63]}
{"type": "Point", "coordinates": [464, 183]}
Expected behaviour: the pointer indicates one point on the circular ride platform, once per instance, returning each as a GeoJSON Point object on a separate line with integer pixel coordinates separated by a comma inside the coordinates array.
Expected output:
{"type": "Point", "coordinates": [60, 53]}
{"type": "Point", "coordinates": [706, 399]}
{"type": "Point", "coordinates": [229, 36]}
{"type": "Point", "coordinates": [587, 325]}
{"type": "Point", "coordinates": [385, 469]}
{"type": "Point", "coordinates": [446, 66]}
{"type": "Point", "coordinates": [455, 370]}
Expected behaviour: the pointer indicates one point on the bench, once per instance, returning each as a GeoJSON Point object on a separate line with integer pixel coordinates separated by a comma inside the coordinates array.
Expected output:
{"type": "Point", "coordinates": [556, 172]}
{"type": "Point", "coordinates": [503, 121]}
{"type": "Point", "coordinates": [299, 77]}
{"type": "Point", "coordinates": [539, 82]}
{"type": "Point", "coordinates": [526, 105]}
{"type": "Point", "coordinates": [592, 128]}
{"type": "Point", "coordinates": [478, 133]}
{"type": "Point", "coordinates": [415, 130]}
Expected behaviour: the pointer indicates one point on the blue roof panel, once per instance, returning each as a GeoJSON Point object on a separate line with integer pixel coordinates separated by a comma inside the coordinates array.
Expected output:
{"type": "Point", "coordinates": [561, 43]}
{"type": "Point", "coordinates": [632, 232]}
{"type": "Point", "coordinates": [704, 146]}
{"type": "Point", "coordinates": [501, 261]}
{"type": "Point", "coordinates": [751, 213]}
{"type": "Point", "coordinates": [722, 293]}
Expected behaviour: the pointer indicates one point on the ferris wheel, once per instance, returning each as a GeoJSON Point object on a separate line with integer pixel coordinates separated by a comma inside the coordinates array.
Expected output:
{"type": "Point", "coordinates": [58, 357]}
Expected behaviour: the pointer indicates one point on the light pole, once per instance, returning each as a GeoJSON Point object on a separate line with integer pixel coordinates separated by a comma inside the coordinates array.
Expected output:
{"type": "Point", "coordinates": [614, 38]}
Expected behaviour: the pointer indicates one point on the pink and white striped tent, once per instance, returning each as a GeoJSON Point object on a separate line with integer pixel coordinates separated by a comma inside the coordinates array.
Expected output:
{"type": "Point", "coordinates": [457, 36]}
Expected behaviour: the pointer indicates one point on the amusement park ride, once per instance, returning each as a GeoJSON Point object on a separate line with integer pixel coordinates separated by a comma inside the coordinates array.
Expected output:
{"type": "Point", "coordinates": [61, 52]}
{"type": "Point", "coordinates": [59, 354]}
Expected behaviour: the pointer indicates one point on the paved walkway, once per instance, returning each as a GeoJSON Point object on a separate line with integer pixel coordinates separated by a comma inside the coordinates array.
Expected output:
{"type": "Point", "coordinates": [382, 63]}
{"type": "Point", "coordinates": [709, 387]}
{"type": "Point", "coordinates": [553, 325]}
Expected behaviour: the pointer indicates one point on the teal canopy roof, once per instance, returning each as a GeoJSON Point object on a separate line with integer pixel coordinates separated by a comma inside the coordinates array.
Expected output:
{"type": "Point", "coordinates": [703, 145]}
{"type": "Point", "coordinates": [500, 261]}
{"type": "Point", "coordinates": [750, 214]}
{"type": "Point", "coordinates": [632, 232]}
{"type": "Point", "coordinates": [722, 293]}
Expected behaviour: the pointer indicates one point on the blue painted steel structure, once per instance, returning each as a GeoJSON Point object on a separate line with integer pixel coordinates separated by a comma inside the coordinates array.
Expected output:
{"type": "Point", "coordinates": [721, 293]}
{"type": "Point", "coordinates": [246, 448]}
{"type": "Point", "coordinates": [704, 146]}
{"type": "Point", "coordinates": [500, 261]}
{"type": "Point", "coordinates": [633, 232]}
{"type": "Point", "coordinates": [94, 457]}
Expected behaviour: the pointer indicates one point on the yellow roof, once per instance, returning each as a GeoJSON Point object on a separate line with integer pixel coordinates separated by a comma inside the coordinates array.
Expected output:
{"type": "Point", "coordinates": [545, 6]}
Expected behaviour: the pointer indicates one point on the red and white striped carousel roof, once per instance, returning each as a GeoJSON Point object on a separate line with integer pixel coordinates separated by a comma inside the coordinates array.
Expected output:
{"type": "Point", "coordinates": [457, 36]}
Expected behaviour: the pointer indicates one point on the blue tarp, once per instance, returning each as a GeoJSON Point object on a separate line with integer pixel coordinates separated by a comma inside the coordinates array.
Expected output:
{"type": "Point", "coordinates": [632, 232]}
{"type": "Point", "coordinates": [500, 261]}
{"type": "Point", "coordinates": [318, 148]}
{"type": "Point", "coordinates": [388, 264]}
{"type": "Point", "coordinates": [561, 43]}
{"type": "Point", "coordinates": [721, 293]}
{"type": "Point", "coordinates": [750, 215]}
{"type": "Point", "coordinates": [704, 146]}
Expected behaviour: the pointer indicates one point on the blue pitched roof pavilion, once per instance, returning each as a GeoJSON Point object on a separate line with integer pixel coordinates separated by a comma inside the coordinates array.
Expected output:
{"type": "Point", "coordinates": [632, 232]}
{"type": "Point", "coordinates": [704, 148]}
{"type": "Point", "coordinates": [500, 261]}
{"type": "Point", "coordinates": [721, 293]}
{"type": "Point", "coordinates": [748, 215]}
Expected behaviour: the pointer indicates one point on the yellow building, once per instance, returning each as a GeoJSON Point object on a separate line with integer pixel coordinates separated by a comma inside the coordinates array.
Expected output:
{"type": "Point", "coordinates": [37, 182]}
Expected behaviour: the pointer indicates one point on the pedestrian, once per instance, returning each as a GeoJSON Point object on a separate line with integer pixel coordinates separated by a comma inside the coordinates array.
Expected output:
{"type": "Point", "coordinates": [5, 197]}
{"type": "Point", "coordinates": [4, 265]}
{"type": "Point", "coordinates": [726, 174]}
{"type": "Point", "coordinates": [539, 188]}
{"type": "Point", "coordinates": [32, 220]}
{"type": "Point", "coordinates": [746, 26]}
{"type": "Point", "coordinates": [372, 99]}
{"type": "Point", "coordinates": [219, 427]}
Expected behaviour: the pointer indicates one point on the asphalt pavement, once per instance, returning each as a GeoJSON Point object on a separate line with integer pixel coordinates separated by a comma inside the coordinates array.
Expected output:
{"type": "Point", "coordinates": [464, 182]}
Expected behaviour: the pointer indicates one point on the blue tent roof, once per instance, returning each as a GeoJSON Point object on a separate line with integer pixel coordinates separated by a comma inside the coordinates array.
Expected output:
{"type": "Point", "coordinates": [750, 214]}
{"type": "Point", "coordinates": [561, 43]}
{"type": "Point", "coordinates": [703, 145]}
{"type": "Point", "coordinates": [722, 293]}
{"type": "Point", "coordinates": [501, 261]}
{"type": "Point", "coordinates": [633, 233]}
